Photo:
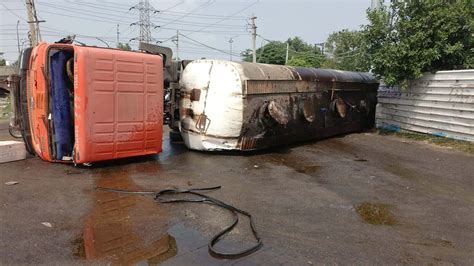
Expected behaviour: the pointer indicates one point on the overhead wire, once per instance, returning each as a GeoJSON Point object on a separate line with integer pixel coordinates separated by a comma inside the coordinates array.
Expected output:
{"type": "Point", "coordinates": [199, 47]}
{"type": "Point", "coordinates": [108, 20]}
{"type": "Point", "coordinates": [106, 17]}
{"type": "Point", "coordinates": [175, 5]}
{"type": "Point", "coordinates": [238, 12]}
{"type": "Point", "coordinates": [122, 15]}
{"type": "Point", "coordinates": [211, 16]}
{"type": "Point", "coordinates": [206, 4]}
{"type": "Point", "coordinates": [13, 13]}
{"type": "Point", "coordinates": [205, 16]}
{"type": "Point", "coordinates": [208, 46]}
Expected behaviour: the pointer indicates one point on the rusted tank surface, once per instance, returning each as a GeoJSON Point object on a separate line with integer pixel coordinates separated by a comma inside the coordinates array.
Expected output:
{"type": "Point", "coordinates": [245, 106]}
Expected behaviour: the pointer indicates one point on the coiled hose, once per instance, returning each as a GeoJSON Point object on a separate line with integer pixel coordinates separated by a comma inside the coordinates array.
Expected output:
{"type": "Point", "coordinates": [158, 196]}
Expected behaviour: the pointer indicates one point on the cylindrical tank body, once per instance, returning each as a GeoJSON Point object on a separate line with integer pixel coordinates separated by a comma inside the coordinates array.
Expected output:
{"type": "Point", "coordinates": [245, 106]}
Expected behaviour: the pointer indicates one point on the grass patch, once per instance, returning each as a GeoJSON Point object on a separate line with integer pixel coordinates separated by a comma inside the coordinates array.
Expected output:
{"type": "Point", "coordinates": [462, 145]}
{"type": "Point", "coordinates": [5, 110]}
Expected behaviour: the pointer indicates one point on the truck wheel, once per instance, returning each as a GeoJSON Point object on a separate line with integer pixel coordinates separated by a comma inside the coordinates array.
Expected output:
{"type": "Point", "coordinates": [175, 136]}
{"type": "Point", "coordinates": [14, 133]}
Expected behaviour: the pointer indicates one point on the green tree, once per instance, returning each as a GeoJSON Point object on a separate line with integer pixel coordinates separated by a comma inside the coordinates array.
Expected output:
{"type": "Point", "coordinates": [411, 37]}
{"type": "Point", "coordinates": [303, 54]}
{"type": "Point", "coordinates": [3, 62]}
{"type": "Point", "coordinates": [271, 53]}
{"type": "Point", "coordinates": [346, 51]}
{"type": "Point", "coordinates": [274, 52]}
{"type": "Point", "coordinates": [124, 46]}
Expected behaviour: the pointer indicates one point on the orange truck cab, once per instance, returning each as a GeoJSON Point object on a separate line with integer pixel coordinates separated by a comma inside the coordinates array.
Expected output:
{"type": "Point", "coordinates": [88, 104]}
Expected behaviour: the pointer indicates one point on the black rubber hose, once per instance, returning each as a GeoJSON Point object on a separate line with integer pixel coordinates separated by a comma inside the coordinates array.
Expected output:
{"type": "Point", "coordinates": [204, 199]}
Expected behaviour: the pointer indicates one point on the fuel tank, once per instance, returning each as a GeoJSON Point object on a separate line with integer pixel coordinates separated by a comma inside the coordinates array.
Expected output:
{"type": "Point", "coordinates": [246, 106]}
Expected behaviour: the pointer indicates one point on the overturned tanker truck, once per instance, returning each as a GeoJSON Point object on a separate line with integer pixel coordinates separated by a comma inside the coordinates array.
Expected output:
{"type": "Point", "coordinates": [222, 105]}
{"type": "Point", "coordinates": [83, 104]}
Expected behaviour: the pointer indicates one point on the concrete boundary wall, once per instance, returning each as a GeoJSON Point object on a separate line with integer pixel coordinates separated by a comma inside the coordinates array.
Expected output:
{"type": "Point", "coordinates": [440, 104]}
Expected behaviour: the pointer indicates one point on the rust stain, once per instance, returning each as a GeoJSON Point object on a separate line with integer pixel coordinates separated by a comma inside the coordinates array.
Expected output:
{"type": "Point", "coordinates": [247, 143]}
{"type": "Point", "coordinates": [278, 112]}
{"type": "Point", "coordinates": [118, 228]}
{"type": "Point", "coordinates": [309, 112]}
{"type": "Point", "coordinates": [375, 213]}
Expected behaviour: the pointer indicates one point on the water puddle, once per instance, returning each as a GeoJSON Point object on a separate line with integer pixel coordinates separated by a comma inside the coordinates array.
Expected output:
{"type": "Point", "coordinates": [123, 228]}
{"type": "Point", "coordinates": [336, 144]}
{"type": "Point", "coordinates": [298, 164]}
{"type": "Point", "coordinates": [375, 213]}
{"type": "Point", "coordinates": [400, 171]}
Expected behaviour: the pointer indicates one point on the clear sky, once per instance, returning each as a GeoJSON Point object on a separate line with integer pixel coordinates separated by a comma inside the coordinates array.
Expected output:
{"type": "Point", "coordinates": [203, 22]}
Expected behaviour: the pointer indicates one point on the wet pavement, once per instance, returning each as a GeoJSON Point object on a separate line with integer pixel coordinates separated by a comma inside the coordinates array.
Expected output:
{"type": "Point", "coordinates": [357, 199]}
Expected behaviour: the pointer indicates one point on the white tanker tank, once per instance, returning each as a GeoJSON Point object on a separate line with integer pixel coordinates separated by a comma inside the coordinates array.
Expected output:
{"type": "Point", "coordinates": [245, 106]}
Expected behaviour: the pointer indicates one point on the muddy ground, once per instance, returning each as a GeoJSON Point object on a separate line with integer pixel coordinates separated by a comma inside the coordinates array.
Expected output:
{"type": "Point", "coordinates": [357, 199]}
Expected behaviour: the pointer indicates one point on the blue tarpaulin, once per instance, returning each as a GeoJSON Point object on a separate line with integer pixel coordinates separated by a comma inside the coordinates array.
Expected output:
{"type": "Point", "coordinates": [61, 111]}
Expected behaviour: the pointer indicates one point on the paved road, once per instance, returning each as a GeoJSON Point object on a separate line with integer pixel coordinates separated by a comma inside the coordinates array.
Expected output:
{"type": "Point", "coordinates": [358, 199]}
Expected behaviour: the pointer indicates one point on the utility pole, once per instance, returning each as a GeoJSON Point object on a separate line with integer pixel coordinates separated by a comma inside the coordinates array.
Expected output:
{"type": "Point", "coordinates": [118, 35]}
{"type": "Point", "coordinates": [176, 41]}
{"type": "Point", "coordinates": [231, 41]}
{"type": "Point", "coordinates": [287, 52]}
{"type": "Point", "coordinates": [254, 38]}
{"type": "Point", "coordinates": [145, 24]}
{"type": "Point", "coordinates": [35, 34]}
{"type": "Point", "coordinates": [321, 44]}
{"type": "Point", "coordinates": [18, 36]}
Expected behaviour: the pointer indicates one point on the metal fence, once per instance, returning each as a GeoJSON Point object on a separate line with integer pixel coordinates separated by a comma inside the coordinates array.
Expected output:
{"type": "Point", "coordinates": [440, 104]}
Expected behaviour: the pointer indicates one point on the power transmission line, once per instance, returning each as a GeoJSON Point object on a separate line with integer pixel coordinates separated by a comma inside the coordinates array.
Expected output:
{"type": "Point", "coordinates": [123, 16]}
{"type": "Point", "coordinates": [163, 13]}
{"type": "Point", "coordinates": [13, 13]}
{"type": "Point", "coordinates": [229, 16]}
{"type": "Point", "coordinates": [145, 24]}
{"type": "Point", "coordinates": [83, 18]}
{"type": "Point", "coordinates": [208, 46]}
{"type": "Point", "coordinates": [205, 25]}
{"type": "Point", "coordinates": [205, 16]}
{"type": "Point", "coordinates": [206, 4]}
{"type": "Point", "coordinates": [114, 22]}
{"type": "Point", "coordinates": [210, 32]}
{"type": "Point", "coordinates": [175, 5]}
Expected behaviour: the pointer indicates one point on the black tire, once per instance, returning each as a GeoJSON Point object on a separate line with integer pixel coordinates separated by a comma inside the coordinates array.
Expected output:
{"type": "Point", "coordinates": [14, 133]}
{"type": "Point", "coordinates": [175, 136]}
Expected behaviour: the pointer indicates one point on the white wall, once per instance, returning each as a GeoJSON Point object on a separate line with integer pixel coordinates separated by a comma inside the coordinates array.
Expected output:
{"type": "Point", "coordinates": [440, 104]}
